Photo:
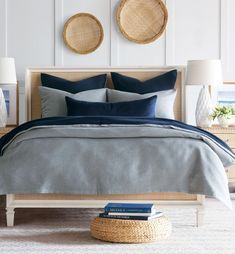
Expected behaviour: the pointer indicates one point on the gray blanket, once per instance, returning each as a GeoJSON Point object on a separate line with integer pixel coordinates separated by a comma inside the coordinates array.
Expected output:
{"type": "Point", "coordinates": [109, 159]}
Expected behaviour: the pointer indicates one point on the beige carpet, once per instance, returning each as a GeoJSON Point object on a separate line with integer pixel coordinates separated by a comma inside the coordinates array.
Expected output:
{"type": "Point", "coordinates": [67, 231]}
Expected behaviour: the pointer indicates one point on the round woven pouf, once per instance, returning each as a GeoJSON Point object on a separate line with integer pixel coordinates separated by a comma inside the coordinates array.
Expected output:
{"type": "Point", "coordinates": [131, 231]}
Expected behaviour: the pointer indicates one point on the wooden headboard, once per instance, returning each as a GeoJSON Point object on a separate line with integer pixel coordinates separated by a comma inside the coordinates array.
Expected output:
{"type": "Point", "coordinates": [33, 82]}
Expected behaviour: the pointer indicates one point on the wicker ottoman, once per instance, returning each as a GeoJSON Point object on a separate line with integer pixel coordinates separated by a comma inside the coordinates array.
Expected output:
{"type": "Point", "coordinates": [131, 231]}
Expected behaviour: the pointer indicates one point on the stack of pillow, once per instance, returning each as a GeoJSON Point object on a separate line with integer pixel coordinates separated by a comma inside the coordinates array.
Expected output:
{"type": "Point", "coordinates": [89, 97]}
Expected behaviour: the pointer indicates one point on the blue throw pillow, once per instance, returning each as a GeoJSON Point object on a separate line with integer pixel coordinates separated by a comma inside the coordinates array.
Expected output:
{"type": "Point", "coordinates": [163, 82]}
{"type": "Point", "coordinates": [138, 108]}
{"type": "Point", "coordinates": [95, 82]}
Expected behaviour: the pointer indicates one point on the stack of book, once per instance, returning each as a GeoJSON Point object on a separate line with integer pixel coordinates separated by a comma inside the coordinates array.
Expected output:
{"type": "Point", "coordinates": [130, 211]}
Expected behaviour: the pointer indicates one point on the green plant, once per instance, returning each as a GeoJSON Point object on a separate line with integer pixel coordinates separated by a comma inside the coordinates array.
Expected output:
{"type": "Point", "coordinates": [223, 111]}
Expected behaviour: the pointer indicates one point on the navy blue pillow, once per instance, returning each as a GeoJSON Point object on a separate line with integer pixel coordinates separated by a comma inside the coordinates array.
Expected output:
{"type": "Point", "coordinates": [163, 82]}
{"type": "Point", "coordinates": [139, 108]}
{"type": "Point", "coordinates": [95, 82]}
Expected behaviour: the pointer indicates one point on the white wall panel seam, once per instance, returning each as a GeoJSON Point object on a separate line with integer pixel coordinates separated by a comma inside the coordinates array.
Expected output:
{"type": "Point", "coordinates": [58, 19]}
{"type": "Point", "coordinates": [3, 24]}
{"type": "Point", "coordinates": [110, 32]}
{"type": "Point", "coordinates": [114, 35]}
{"type": "Point", "coordinates": [170, 34]}
{"type": "Point", "coordinates": [224, 39]}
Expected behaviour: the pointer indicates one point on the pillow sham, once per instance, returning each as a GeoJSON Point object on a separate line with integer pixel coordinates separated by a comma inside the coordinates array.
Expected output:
{"type": "Point", "coordinates": [53, 100]}
{"type": "Point", "coordinates": [96, 82]}
{"type": "Point", "coordinates": [162, 82]}
{"type": "Point", "coordinates": [138, 108]}
{"type": "Point", "coordinates": [164, 105]}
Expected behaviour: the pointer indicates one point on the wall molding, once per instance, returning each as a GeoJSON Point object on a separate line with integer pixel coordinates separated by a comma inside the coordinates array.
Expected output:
{"type": "Point", "coordinates": [114, 36]}
{"type": "Point", "coordinates": [110, 32]}
{"type": "Point", "coordinates": [115, 40]}
{"type": "Point", "coordinates": [224, 36]}
{"type": "Point", "coordinates": [170, 34]}
{"type": "Point", "coordinates": [58, 21]}
{"type": "Point", "coordinates": [3, 26]}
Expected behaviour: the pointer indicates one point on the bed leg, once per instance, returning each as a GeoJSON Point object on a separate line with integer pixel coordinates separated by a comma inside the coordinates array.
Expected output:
{"type": "Point", "coordinates": [199, 216]}
{"type": "Point", "coordinates": [10, 213]}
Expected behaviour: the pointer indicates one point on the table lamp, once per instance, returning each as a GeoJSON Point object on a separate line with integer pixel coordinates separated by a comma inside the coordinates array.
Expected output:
{"type": "Point", "coordinates": [204, 73]}
{"type": "Point", "coordinates": [7, 77]}
{"type": "Point", "coordinates": [7, 71]}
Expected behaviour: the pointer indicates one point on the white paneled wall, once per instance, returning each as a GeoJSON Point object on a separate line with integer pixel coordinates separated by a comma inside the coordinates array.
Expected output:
{"type": "Point", "coordinates": [67, 8]}
{"type": "Point", "coordinates": [228, 38]}
{"type": "Point", "coordinates": [126, 53]}
{"type": "Point", "coordinates": [31, 31]}
{"type": "Point", "coordinates": [197, 30]}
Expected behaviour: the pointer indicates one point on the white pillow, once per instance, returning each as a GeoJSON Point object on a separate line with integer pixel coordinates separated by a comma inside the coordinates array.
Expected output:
{"type": "Point", "coordinates": [164, 105]}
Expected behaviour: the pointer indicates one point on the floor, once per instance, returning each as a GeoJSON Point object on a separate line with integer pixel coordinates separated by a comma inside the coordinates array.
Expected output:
{"type": "Point", "coordinates": [67, 231]}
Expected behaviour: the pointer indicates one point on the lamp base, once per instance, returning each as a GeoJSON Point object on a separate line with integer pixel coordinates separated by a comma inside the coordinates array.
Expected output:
{"type": "Point", "coordinates": [204, 109]}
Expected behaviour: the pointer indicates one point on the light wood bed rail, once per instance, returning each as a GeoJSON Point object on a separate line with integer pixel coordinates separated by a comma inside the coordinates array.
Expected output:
{"type": "Point", "coordinates": [94, 201]}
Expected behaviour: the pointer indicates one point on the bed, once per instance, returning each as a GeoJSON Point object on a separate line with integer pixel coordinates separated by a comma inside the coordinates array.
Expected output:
{"type": "Point", "coordinates": [84, 200]}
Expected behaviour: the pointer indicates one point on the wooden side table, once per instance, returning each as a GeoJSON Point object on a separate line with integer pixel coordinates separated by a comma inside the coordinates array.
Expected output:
{"type": "Point", "coordinates": [4, 131]}
{"type": "Point", "coordinates": [228, 136]}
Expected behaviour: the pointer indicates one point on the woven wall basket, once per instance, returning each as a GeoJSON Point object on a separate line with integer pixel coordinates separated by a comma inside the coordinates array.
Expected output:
{"type": "Point", "coordinates": [142, 21]}
{"type": "Point", "coordinates": [83, 33]}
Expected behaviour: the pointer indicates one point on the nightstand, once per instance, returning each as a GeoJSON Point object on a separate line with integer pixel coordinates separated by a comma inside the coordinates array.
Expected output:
{"type": "Point", "coordinates": [228, 136]}
{"type": "Point", "coordinates": [4, 131]}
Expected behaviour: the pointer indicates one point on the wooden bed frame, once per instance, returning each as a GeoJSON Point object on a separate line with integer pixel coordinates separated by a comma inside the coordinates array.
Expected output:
{"type": "Point", "coordinates": [94, 201]}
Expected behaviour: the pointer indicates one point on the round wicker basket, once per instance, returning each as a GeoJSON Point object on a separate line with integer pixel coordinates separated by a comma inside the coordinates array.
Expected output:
{"type": "Point", "coordinates": [130, 231]}
{"type": "Point", "coordinates": [83, 33]}
{"type": "Point", "coordinates": [142, 21]}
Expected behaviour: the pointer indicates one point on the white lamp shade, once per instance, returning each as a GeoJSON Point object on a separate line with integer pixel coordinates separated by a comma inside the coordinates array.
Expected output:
{"type": "Point", "coordinates": [204, 72]}
{"type": "Point", "coordinates": [3, 110]}
{"type": "Point", "coordinates": [7, 71]}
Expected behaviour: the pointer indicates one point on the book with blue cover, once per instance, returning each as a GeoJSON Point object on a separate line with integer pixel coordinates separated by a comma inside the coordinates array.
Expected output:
{"type": "Point", "coordinates": [131, 217]}
{"type": "Point", "coordinates": [129, 208]}
{"type": "Point", "coordinates": [133, 214]}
